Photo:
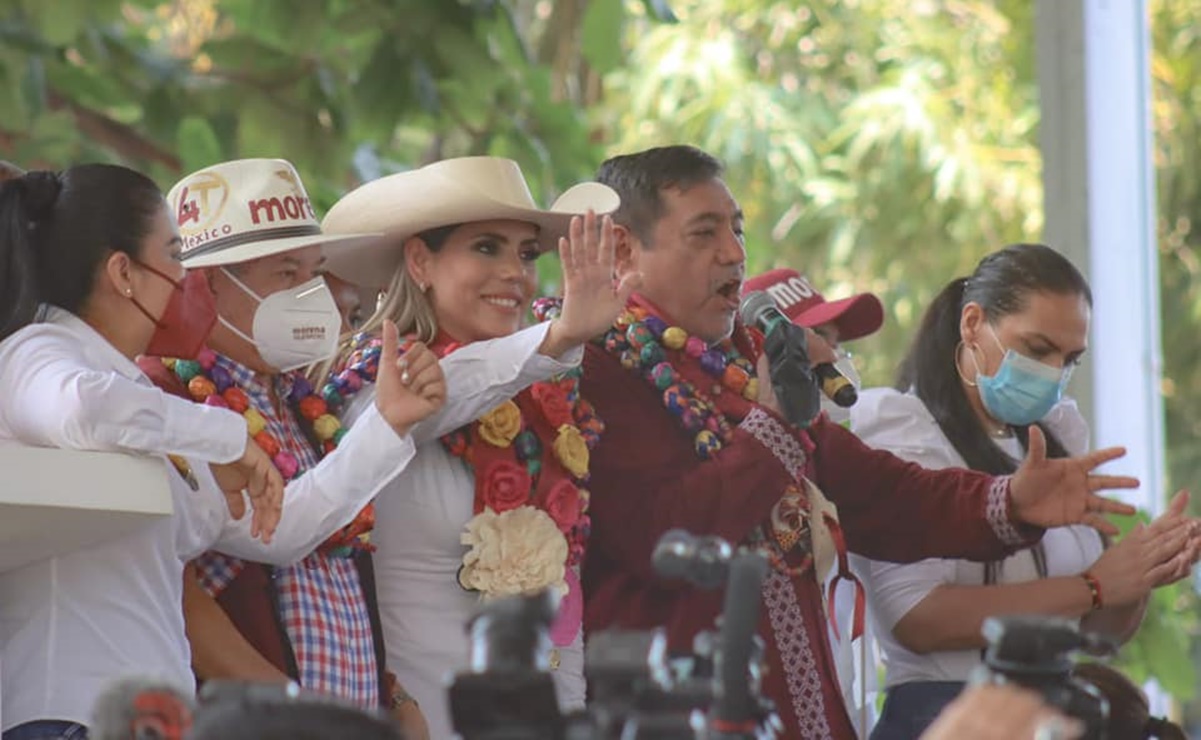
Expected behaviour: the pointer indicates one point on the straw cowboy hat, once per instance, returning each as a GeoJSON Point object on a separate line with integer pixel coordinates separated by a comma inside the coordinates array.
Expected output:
{"type": "Point", "coordinates": [446, 193]}
{"type": "Point", "coordinates": [856, 316]}
{"type": "Point", "coordinates": [245, 209]}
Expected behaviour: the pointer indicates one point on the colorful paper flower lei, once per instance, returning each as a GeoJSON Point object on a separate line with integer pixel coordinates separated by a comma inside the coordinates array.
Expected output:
{"type": "Point", "coordinates": [531, 452]}
{"type": "Point", "coordinates": [644, 342]}
{"type": "Point", "coordinates": [210, 384]}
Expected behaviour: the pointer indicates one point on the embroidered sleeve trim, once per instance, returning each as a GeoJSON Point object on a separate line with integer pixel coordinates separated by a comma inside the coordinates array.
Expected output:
{"type": "Point", "coordinates": [997, 512]}
{"type": "Point", "coordinates": [776, 438]}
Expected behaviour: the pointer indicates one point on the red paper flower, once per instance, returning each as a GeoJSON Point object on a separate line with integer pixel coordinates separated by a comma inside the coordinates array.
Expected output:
{"type": "Point", "coordinates": [311, 407]}
{"type": "Point", "coordinates": [553, 401]}
{"type": "Point", "coordinates": [563, 504]}
{"type": "Point", "coordinates": [506, 485]}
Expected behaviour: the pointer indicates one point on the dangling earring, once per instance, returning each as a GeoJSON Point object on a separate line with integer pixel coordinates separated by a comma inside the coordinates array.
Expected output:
{"type": "Point", "coordinates": [959, 370]}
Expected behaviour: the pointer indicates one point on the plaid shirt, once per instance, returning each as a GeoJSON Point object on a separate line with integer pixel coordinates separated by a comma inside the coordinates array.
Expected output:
{"type": "Point", "coordinates": [321, 600]}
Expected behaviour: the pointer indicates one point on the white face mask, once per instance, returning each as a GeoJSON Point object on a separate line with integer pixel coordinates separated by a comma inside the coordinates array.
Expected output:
{"type": "Point", "coordinates": [294, 327]}
{"type": "Point", "coordinates": [845, 365]}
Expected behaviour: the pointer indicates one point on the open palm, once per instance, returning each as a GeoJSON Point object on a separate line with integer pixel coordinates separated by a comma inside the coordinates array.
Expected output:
{"type": "Point", "coordinates": [1055, 493]}
{"type": "Point", "coordinates": [590, 300]}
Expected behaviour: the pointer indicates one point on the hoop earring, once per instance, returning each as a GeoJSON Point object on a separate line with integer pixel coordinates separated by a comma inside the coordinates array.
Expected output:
{"type": "Point", "coordinates": [955, 359]}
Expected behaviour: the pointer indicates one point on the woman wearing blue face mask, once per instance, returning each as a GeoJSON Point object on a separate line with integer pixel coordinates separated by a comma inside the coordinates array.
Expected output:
{"type": "Point", "coordinates": [993, 355]}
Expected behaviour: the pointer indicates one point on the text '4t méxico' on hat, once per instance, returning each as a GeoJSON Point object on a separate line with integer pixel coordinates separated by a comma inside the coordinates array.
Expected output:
{"type": "Point", "coordinates": [246, 209]}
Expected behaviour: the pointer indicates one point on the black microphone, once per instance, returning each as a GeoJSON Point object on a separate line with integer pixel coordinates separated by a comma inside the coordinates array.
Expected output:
{"type": "Point", "coordinates": [737, 711]}
{"type": "Point", "coordinates": [760, 309]}
{"type": "Point", "coordinates": [702, 561]}
{"type": "Point", "coordinates": [796, 386]}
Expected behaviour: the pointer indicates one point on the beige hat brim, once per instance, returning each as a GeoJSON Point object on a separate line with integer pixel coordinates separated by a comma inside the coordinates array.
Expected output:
{"type": "Point", "coordinates": [372, 265]}
{"type": "Point", "coordinates": [330, 244]}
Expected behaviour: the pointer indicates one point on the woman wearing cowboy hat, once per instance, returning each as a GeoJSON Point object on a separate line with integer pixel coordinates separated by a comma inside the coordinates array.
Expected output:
{"type": "Point", "coordinates": [496, 508]}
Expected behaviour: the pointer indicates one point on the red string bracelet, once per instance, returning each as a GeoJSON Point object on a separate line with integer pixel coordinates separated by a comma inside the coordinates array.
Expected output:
{"type": "Point", "coordinates": [1094, 588]}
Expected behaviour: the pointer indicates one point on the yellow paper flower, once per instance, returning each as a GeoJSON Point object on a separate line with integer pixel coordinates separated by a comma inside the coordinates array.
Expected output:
{"type": "Point", "coordinates": [674, 337]}
{"type": "Point", "coordinates": [255, 422]}
{"type": "Point", "coordinates": [572, 450]}
{"type": "Point", "coordinates": [326, 426]}
{"type": "Point", "coordinates": [520, 551]}
{"type": "Point", "coordinates": [501, 425]}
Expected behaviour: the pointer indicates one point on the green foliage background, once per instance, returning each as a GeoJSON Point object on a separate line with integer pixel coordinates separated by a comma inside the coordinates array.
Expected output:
{"type": "Point", "coordinates": [880, 145]}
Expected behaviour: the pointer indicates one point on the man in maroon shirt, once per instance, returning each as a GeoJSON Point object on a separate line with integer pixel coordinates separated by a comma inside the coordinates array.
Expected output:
{"type": "Point", "coordinates": [694, 441]}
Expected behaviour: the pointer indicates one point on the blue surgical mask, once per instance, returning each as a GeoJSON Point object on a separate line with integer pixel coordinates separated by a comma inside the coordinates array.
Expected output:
{"type": "Point", "coordinates": [1023, 390]}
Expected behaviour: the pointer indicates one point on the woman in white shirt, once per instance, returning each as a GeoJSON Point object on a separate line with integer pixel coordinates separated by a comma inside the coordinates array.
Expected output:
{"type": "Point", "coordinates": [983, 384]}
{"type": "Point", "coordinates": [89, 279]}
{"type": "Point", "coordinates": [461, 265]}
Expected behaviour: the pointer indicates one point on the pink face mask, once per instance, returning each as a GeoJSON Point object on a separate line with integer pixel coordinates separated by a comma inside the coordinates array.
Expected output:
{"type": "Point", "coordinates": [187, 320]}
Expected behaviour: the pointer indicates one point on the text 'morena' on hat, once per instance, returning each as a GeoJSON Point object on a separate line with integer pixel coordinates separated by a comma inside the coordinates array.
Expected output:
{"type": "Point", "coordinates": [855, 317]}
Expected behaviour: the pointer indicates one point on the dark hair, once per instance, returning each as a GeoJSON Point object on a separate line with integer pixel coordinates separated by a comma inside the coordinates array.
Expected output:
{"type": "Point", "coordinates": [1001, 284]}
{"type": "Point", "coordinates": [57, 228]}
{"type": "Point", "coordinates": [1129, 713]}
{"type": "Point", "coordinates": [436, 237]}
{"type": "Point", "coordinates": [639, 178]}
{"type": "Point", "coordinates": [289, 720]}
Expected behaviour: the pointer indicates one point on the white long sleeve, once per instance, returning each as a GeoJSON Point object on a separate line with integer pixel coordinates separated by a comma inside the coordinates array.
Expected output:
{"type": "Point", "coordinates": [52, 397]}
{"type": "Point", "coordinates": [327, 497]}
{"type": "Point", "coordinates": [479, 377]}
{"type": "Point", "coordinates": [900, 423]}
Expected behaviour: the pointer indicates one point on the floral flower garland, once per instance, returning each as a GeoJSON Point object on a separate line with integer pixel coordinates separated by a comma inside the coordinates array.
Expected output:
{"type": "Point", "coordinates": [530, 458]}
{"type": "Point", "coordinates": [644, 342]}
{"type": "Point", "coordinates": [209, 383]}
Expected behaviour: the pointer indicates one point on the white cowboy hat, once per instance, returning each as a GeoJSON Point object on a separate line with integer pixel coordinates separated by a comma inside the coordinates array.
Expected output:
{"type": "Point", "coordinates": [245, 209]}
{"type": "Point", "coordinates": [453, 191]}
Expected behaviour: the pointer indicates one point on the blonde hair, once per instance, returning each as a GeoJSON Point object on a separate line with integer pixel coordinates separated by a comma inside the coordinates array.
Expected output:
{"type": "Point", "coordinates": [403, 302]}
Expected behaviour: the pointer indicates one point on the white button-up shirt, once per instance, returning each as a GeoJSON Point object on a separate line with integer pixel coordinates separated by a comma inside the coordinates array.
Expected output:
{"type": "Point", "coordinates": [900, 423]}
{"type": "Point", "coordinates": [71, 624]}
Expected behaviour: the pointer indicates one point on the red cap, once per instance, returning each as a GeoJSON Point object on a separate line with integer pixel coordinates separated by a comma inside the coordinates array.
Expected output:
{"type": "Point", "coordinates": [855, 317]}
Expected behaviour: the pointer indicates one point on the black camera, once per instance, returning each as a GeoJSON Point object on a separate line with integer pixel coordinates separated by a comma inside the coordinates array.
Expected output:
{"type": "Point", "coordinates": [508, 691]}
{"type": "Point", "coordinates": [1035, 652]}
{"type": "Point", "coordinates": [637, 690]}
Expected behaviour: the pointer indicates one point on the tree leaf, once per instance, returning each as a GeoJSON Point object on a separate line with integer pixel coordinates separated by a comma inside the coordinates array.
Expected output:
{"type": "Point", "coordinates": [601, 34]}
{"type": "Point", "coordinates": [660, 10]}
{"type": "Point", "coordinates": [198, 144]}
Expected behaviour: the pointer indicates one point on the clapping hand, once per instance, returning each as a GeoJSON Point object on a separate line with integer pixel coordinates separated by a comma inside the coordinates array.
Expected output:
{"type": "Point", "coordinates": [1150, 556]}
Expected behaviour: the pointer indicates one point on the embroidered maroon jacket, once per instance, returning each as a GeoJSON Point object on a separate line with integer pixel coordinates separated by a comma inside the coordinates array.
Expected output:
{"type": "Point", "coordinates": [647, 479]}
